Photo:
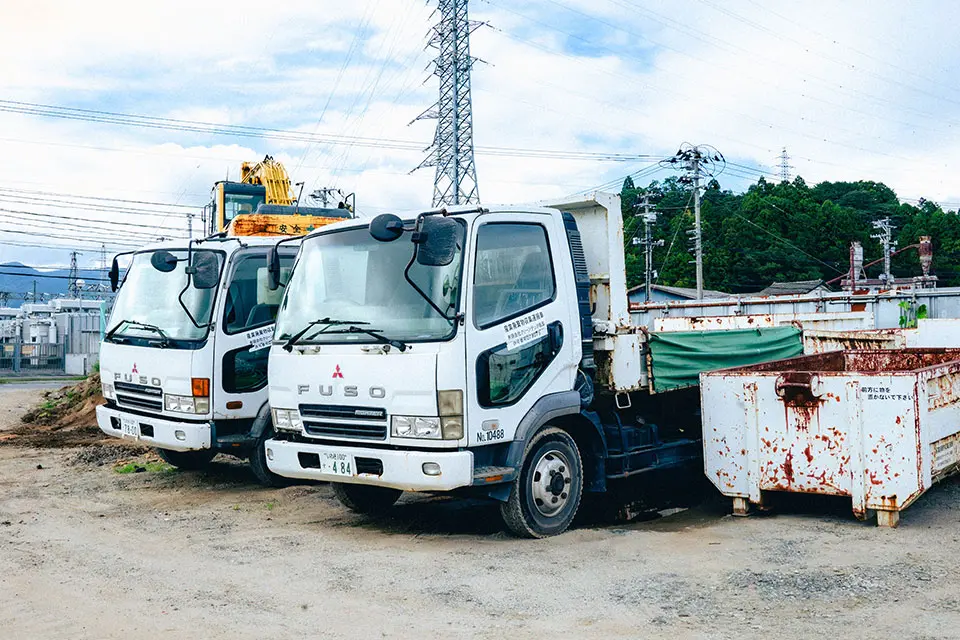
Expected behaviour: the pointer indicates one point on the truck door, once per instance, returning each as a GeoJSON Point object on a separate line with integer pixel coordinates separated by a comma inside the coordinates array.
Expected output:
{"type": "Point", "coordinates": [244, 334]}
{"type": "Point", "coordinates": [521, 331]}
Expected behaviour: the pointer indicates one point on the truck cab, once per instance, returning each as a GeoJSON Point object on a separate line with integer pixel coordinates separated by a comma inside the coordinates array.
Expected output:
{"type": "Point", "coordinates": [454, 351]}
{"type": "Point", "coordinates": [184, 358]}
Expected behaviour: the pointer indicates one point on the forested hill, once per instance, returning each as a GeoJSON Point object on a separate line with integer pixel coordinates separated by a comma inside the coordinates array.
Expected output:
{"type": "Point", "coordinates": [783, 232]}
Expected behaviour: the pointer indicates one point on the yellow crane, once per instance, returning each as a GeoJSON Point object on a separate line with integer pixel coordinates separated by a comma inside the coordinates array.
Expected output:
{"type": "Point", "coordinates": [262, 203]}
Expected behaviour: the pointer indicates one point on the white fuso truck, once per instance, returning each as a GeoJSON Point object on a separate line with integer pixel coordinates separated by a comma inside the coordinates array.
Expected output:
{"type": "Point", "coordinates": [487, 351]}
{"type": "Point", "coordinates": [184, 359]}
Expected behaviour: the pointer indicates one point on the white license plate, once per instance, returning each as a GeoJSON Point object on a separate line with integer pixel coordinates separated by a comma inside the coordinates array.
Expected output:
{"type": "Point", "coordinates": [129, 428]}
{"type": "Point", "coordinates": [338, 464]}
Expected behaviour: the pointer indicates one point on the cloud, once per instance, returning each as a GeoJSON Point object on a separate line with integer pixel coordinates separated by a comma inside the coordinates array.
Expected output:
{"type": "Point", "coordinates": [853, 91]}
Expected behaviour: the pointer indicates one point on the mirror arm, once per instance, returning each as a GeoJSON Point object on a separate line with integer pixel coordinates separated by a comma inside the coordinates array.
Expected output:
{"type": "Point", "coordinates": [406, 274]}
{"type": "Point", "coordinates": [189, 270]}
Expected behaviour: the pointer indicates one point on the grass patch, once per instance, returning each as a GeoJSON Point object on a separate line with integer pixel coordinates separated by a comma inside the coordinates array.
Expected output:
{"type": "Point", "coordinates": [145, 467]}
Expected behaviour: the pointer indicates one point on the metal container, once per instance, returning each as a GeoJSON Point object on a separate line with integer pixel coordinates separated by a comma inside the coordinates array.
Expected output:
{"type": "Point", "coordinates": [824, 341]}
{"type": "Point", "coordinates": [879, 426]}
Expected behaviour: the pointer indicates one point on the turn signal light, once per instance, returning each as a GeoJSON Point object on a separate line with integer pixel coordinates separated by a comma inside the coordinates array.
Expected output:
{"type": "Point", "coordinates": [201, 387]}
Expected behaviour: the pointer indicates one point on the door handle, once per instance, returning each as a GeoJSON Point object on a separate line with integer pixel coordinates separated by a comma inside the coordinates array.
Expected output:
{"type": "Point", "coordinates": [555, 333]}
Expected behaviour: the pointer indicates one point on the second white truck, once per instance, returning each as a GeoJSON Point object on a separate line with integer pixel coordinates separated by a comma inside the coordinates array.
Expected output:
{"type": "Point", "coordinates": [487, 351]}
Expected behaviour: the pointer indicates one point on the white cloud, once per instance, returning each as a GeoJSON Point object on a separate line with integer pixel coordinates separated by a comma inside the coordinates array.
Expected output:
{"type": "Point", "coordinates": [854, 91]}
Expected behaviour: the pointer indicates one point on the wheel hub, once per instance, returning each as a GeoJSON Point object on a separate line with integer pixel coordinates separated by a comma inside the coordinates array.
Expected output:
{"type": "Point", "coordinates": [550, 482]}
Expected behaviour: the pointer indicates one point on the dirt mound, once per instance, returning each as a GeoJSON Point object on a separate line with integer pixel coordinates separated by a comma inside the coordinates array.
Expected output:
{"type": "Point", "coordinates": [66, 417]}
{"type": "Point", "coordinates": [99, 455]}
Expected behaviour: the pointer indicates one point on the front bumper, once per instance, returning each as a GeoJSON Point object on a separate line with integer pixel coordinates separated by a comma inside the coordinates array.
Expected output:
{"type": "Point", "coordinates": [153, 431]}
{"type": "Point", "coordinates": [400, 469]}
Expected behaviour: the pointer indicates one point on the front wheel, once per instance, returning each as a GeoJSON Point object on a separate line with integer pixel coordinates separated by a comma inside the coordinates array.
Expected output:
{"type": "Point", "coordinates": [258, 463]}
{"type": "Point", "coordinates": [187, 460]}
{"type": "Point", "coordinates": [365, 498]}
{"type": "Point", "coordinates": [546, 494]}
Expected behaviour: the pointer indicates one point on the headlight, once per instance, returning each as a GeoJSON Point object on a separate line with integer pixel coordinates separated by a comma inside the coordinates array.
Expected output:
{"type": "Point", "coordinates": [287, 420]}
{"type": "Point", "coordinates": [415, 427]}
{"type": "Point", "coordinates": [185, 404]}
{"type": "Point", "coordinates": [108, 391]}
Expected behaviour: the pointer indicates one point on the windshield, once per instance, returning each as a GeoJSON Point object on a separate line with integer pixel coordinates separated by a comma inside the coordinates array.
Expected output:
{"type": "Point", "coordinates": [350, 276]}
{"type": "Point", "coordinates": [235, 204]}
{"type": "Point", "coordinates": [149, 296]}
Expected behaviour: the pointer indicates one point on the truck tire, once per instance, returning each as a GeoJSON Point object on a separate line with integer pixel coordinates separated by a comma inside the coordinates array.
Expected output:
{"type": "Point", "coordinates": [258, 463]}
{"type": "Point", "coordinates": [187, 460]}
{"type": "Point", "coordinates": [546, 494]}
{"type": "Point", "coordinates": [365, 498]}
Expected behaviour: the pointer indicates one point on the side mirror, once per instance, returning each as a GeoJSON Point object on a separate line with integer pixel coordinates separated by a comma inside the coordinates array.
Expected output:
{"type": "Point", "coordinates": [114, 275]}
{"type": "Point", "coordinates": [386, 227]}
{"type": "Point", "coordinates": [163, 261]}
{"type": "Point", "coordinates": [273, 268]}
{"type": "Point", "coordinates": [438, 241]}
{"type": "Point", "coordinates": [205, 268]}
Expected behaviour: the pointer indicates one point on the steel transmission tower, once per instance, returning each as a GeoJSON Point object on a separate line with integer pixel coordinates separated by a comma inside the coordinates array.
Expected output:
{"type": "Point", "coordinates": [785, 166]}
{"type": "Point", "coordinates": [74, 277]}
{"type": "Point", "coordinates": [452, 149]}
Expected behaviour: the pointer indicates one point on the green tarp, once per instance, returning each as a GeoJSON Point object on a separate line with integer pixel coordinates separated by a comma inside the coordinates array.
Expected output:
{"type": "Point", "coordinates": [679, 357]}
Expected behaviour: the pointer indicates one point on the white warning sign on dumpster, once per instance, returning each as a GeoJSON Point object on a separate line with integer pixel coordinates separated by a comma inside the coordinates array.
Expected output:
{"type": "Point", "coordinates": [525, 329]}
{"type": "Point", "coordinates": [260, 338]}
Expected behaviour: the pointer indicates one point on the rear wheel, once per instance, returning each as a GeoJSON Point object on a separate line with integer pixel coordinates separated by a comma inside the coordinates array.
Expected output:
{"type": "Point", "coordinates": [187, 460]}
{"type": "Point", "coordinates": [546, 494]}
{"type": "Point", "coordinates": [365, 498]}
{"type": "Point", "coordinates": [258, 463]}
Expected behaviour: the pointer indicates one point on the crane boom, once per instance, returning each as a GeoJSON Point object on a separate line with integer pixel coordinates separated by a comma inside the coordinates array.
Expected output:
{"type": "Point", "coordinates": [272, 176]}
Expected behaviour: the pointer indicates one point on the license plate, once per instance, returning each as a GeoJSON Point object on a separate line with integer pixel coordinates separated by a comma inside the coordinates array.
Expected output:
{"type": "Point", "coordinates": [130, 428]}
{"type": "Point", "coordinates": [338, 464]}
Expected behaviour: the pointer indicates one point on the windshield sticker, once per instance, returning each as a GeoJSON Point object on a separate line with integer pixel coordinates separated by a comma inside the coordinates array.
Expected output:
{"type": "Point", "coordinates": [260, 338]}
{"type": "Point", "coordinates": [525, 329]}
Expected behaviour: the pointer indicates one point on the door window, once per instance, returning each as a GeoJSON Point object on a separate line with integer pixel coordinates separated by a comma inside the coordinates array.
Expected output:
{"type": "Point", "coordinates": [514, 273]}
{"type": "Point", "coordinates": [249, 302]}
{"type": "Point", "coordinates": [504, 375]}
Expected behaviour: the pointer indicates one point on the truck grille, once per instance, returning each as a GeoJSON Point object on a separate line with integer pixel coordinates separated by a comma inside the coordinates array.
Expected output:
{"type": "Point", "coordinates": [342, 412]}
{"type": "Point", "coordinates": [342, 421]}
{"type": "Point", "coordinates": [332, 430]}
{"type": "Point", "coordinates": [139, 396]}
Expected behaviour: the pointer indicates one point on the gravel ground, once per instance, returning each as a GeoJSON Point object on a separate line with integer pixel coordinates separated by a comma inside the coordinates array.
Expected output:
{"type": "Point", "coordinates": [86, 552]}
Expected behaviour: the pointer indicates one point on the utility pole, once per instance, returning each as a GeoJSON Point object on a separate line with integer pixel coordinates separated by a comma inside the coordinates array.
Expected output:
{"type": "Point", "coordinates": [698, 235]}
{"type": "Point", "coordinates": [455, 181]}
{"type": "Point", "coordinates": [701, 161]}
{"type": "Point", "coordinates": [649, 219]}
{"type": "Point", "coordinates": [885, 236]}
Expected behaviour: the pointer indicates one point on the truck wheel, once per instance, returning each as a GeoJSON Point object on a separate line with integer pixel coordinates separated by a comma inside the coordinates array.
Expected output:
{"type": "Point", "coordinates": [187, 460]}
{"type": "Point", "coordinates": [258, 463]}
{"type": "Point", "coordinates": [364, 498]}
{"type": "Point", "coordinates": [546, 494]}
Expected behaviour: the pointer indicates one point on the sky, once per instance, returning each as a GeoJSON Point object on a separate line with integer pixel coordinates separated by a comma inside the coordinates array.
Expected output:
{"type": "Point", "coordinates": [852, 90]}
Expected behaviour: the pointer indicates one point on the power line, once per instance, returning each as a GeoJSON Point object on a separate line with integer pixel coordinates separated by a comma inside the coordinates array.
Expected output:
{"type": "Point", "coordinates": [48, 276]}
{"type": "Point", "coordinates": [194, 126]}
{"type": "Point", "coordinates": [79, 219]}
{"type": "Point", "coordinates": [98, 198]}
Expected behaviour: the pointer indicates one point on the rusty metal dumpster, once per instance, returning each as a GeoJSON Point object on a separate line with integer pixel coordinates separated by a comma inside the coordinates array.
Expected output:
{"type": "Point", "coordinates": [879, 426]}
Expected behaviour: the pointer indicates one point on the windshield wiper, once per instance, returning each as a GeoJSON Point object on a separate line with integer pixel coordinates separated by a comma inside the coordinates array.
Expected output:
{"type": "Point", "coordinates": [164, 338]}
{"type": "Point", "coordinates": [377, 335]}
{"type": "Point", "coordinates": [330, 322]}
